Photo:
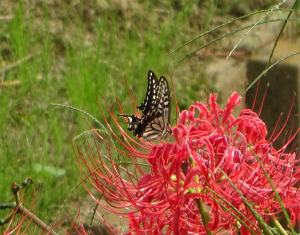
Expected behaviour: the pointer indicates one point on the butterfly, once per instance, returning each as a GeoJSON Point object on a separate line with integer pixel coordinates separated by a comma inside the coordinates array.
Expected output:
{"type": "Point", "coordinates": [156, 108]}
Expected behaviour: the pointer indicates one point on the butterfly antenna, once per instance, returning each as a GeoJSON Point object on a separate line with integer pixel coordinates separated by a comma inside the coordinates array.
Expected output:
{"type": "Point", "coordinates": [132, 98]}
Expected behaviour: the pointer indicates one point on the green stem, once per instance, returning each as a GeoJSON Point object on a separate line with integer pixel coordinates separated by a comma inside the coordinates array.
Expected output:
{"type": "Point", "coordinates": [278, 225]}
{"type": "Point", "coordinates": [201, 205]}
{"type": "Point", "coordinates": [204, 215]}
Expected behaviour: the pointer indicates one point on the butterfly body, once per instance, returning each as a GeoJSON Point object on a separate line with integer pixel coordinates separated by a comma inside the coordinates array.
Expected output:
{"type": "Point", "coordinates": [156, 108]}
{"type": "Point", "coordinates": [135, 124]}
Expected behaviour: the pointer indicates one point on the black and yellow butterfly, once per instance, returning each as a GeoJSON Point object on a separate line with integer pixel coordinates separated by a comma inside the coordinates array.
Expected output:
{"type": "Point", "coordinates": [156, 108]}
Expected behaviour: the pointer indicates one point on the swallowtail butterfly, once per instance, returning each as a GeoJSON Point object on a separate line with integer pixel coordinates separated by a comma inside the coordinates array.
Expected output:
{"type": "Point", "coordinates": [156, 108]}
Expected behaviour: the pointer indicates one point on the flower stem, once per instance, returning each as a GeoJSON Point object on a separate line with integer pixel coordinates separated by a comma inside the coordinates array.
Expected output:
{"type": "Point", "coordinates": [204, 215]}
{"type": "Point", "coordinates": [201, 205]}
{"type": "Point", "coordinates": [278, 225]}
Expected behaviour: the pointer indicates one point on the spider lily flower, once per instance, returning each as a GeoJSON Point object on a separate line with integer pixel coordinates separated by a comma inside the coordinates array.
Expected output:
{"type": "Point", "coordinates": [213, 151]}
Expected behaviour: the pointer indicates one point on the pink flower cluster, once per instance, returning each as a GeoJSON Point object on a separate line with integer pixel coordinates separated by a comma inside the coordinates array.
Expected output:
{"type": "Point", "coordinates": [211, 146]}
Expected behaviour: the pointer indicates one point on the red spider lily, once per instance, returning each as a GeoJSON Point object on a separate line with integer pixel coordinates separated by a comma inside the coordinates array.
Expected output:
{"type": "Point", "coordinates": [185, 173]}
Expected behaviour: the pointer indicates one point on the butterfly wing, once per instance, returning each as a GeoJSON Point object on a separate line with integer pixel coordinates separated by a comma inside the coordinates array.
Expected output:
{"type": "Point", "coordinates": [156, 128]}
{"type": "Point", "coordinates": [150, 101]}
{"type": "Point", "coordinates": [158, 125]}
{"type": "Point", "coordinates": [154, 124]}
{"type": "Point", "coordinates": [164, 102]}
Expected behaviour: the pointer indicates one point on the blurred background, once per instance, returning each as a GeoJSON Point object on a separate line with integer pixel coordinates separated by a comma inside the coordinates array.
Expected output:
{"type": "Point", "coordinates": [70, 52]}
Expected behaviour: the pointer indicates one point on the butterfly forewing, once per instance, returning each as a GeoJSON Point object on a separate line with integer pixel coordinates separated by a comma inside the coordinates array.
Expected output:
{"type": "Point", "coordinates": [150, 101]}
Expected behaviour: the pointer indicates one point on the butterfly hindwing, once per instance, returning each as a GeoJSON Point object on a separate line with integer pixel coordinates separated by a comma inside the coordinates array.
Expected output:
{"type": "Point", "coordinates": [164, 103]}
{"type": "Point", "coordinates": [156, 128]}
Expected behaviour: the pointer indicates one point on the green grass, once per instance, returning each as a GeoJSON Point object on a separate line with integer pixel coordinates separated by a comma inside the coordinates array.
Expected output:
{"type": "Point", "coordinates": [74, 60]}
{"type": "Point", "coordinates": [81, 51]}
